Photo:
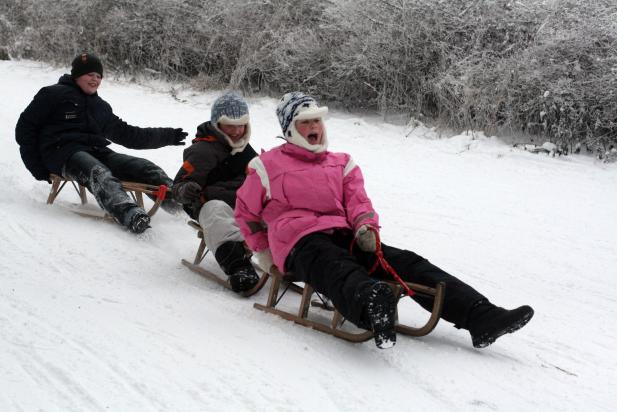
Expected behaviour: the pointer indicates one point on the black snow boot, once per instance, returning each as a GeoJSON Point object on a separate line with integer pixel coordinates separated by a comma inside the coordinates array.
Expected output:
{"type": "Point", "coordinates": [380, 313]}
{"type": "Point", "coordinates": [139, 222]}
{"type": "Point", "coordinates": [243, 279]}
{"type": "Point", "coordinates": [232, 258]}
{"type": "Point", "coordinates": [488, 322]}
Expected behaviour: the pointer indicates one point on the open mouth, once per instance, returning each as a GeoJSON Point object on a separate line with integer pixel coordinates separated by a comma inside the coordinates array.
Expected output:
{"type": "Point", "coordinates": [313, 138]}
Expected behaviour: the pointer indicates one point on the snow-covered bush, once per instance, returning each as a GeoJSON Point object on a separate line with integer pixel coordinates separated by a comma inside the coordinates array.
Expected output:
{"type": "Point", "coordinates": [547, 68]}
{"type": "Point", "coordinates": [561, 85]}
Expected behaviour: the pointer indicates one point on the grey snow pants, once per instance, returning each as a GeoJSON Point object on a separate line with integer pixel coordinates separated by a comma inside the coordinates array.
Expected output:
{"type": "Point", "coordinates": [217, 219]}
{"type": "Point", "coordinates": [101, 174]}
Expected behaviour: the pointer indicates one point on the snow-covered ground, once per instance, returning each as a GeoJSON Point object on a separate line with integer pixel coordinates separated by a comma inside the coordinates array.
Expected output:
{"type": "Point", "coordinates": [93, 318]}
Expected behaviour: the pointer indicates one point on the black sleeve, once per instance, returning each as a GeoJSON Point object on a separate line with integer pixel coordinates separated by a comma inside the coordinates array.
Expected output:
{"type": "Point", "coordinates": [133, 137]}
{"type": "Point", "coordinates": [224, 190]}
{"type": "Point", "coordinates": [199, 160]}
{"type": "Point", "coordinates": [219, 193]}
{"type": "Point", "coordinates": [27, 133]}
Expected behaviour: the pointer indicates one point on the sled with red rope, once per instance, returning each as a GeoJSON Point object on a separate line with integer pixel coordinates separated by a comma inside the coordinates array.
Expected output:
{"type": "Point", "coordinates": [334, 326]}
{"type": "Point", "coordinates": [202, 251]}
{"type": "Point", "coordinates": [136, 191]}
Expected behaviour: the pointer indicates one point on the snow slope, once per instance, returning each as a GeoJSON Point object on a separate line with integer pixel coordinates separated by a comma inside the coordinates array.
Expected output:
{"type": "Point", "coordinates": [93, 318]}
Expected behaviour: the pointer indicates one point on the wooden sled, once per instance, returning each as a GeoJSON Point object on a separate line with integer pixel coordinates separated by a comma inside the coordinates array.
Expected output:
{"type": "Point", "coordinates": [202, 251]}
{"type": "Point", "coordinates": [136, 190]}
{"type": "Point", "coordinates": [334, 326]}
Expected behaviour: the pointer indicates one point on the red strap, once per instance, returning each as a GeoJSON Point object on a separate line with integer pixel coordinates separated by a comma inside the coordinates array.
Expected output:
{"type": "Point", "coordinates": [204, 139]}
{"type": "Point", "coordinates": [381, 261]}
{"type": "Point", "coordinates": [162, 192]}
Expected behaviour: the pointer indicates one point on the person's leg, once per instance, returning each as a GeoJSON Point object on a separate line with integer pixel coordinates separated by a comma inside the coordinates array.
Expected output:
{"type": "Point", "coordinates": [321, 260]}
{"type": "Point", "coordinates": [217, 220]}
{"type": "Point", "coordinates": [324, 262]}
{"type": "Point", "coordinates": [139, 170]}
{"type": "Point", "coordinates": [223, 237]}
{"type": "Point", "coordinates": [107, 190]}
{"type": "Point", "coordinates": [459, 296]}
{"type": "Point", "coordinates": [135, 169]}
{"type": "Point", "coordinates": [463, 305]}
{"type": "Point", "coordinates": [330, 270]}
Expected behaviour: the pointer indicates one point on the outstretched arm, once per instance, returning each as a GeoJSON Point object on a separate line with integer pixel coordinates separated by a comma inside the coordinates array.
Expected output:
{"type": "Point", "coordinates": [133, 137]}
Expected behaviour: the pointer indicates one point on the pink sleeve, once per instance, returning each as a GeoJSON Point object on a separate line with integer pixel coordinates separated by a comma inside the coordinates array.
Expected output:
{"type": "Point", "coordinates": [249, 207]}
{"type": "Point", "coordinates": [358, 206]}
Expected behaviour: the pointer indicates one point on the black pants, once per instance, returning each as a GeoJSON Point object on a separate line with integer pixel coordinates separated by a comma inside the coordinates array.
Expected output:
{"type": "Point", "coordinates": [324, 261]}
{"type": "Point", "coordinates": [101, 173]}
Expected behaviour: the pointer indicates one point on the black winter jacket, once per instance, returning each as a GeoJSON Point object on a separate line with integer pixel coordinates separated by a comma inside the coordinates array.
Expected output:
{"type": "Point", "coordinates": [209, 163]}
{"type": "Point", "coordinates": [62, 120]}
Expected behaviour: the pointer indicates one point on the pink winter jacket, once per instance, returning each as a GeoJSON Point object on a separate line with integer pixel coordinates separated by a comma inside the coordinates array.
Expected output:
{"type": "Point", "coordinates": [290, 192]}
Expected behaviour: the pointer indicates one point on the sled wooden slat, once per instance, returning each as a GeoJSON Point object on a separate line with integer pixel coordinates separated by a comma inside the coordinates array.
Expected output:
{"type": "Point", "coordinates": [58, 183]}
{"type": "Point", "coordinates": [333, 327]}
{"type": "Point", "coordinates": [205, 273]}
{"type": "Point", "coordinates": [136, 191]}
{"type": "Point", "coordinates": [348, 336]}
{"type": "Point", "coordinates": [337, 320]}
{"type": "Point", "coordinates": [274, 290]}
{"type": "Point", "coordinates": [438, 293]}
{"type": "Point", "coordinates": [202, 251]}
{"type": "Point", "coordinates": [306, 300]}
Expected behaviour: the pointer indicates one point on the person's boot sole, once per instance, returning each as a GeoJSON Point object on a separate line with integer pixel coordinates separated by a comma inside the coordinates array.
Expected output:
{"type": "Point", "coordinates": [243, 282]}
{"type": "Point", "coordinates": [382, 317]}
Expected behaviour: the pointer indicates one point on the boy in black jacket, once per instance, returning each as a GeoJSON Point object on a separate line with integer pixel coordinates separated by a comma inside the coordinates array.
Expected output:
{"type": "Point", "coordinates": [66, 129]}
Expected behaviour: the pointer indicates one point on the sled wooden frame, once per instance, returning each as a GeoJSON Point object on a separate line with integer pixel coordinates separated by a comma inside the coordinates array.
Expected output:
{"type": "Point", "coordinates": [136, 190]}
{"type": "Point", "coordinates": [202, 251]}
{"type": "Point", "coordinates": [333, 328]}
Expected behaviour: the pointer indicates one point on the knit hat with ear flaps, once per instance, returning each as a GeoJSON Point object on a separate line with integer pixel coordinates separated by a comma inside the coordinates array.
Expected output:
{"type": "Point", "coordinates": [232, 109]}
{"type": "Point", "coordinates": [85, 63]}
{"type": "Point", "coordinates": [298, 106]}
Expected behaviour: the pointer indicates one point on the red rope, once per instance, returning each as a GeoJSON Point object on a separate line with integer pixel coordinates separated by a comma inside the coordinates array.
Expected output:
{"type": "Point", "coordinates": [381, 261]}
{"type": "Point", "coordinates": [162, 192]}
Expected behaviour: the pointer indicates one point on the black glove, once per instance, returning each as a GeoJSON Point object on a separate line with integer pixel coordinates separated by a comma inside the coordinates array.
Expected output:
{"type": "Point", "coordinates": [178, 137]}
{"type": "Point", "coordinates": [187, 192]}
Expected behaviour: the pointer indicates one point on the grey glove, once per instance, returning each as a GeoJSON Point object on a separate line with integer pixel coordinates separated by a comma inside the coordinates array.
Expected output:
{"type": "Point", "coordinates": [187, 192]}
{"type": "Point", "coordinates": [365, 238]}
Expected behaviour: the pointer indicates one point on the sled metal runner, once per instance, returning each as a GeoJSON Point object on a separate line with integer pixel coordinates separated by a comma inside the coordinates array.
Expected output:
{"type": "Point", "coordinates": [136, 190]}
{"type": "Point", "coordinates": [202, 251]}
{"type": "Point", "coordinates": [334, 326]}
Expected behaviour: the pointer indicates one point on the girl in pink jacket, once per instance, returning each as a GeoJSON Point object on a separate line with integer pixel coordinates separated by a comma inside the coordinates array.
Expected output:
{"type": "Point", "coordinates": [301, 207]}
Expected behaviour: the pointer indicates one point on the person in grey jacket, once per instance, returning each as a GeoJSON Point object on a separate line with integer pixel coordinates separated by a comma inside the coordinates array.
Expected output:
{"type": "Point", "coordinates": [214, 168]}
{"type": "Point", "coordinates": [66, 129]}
